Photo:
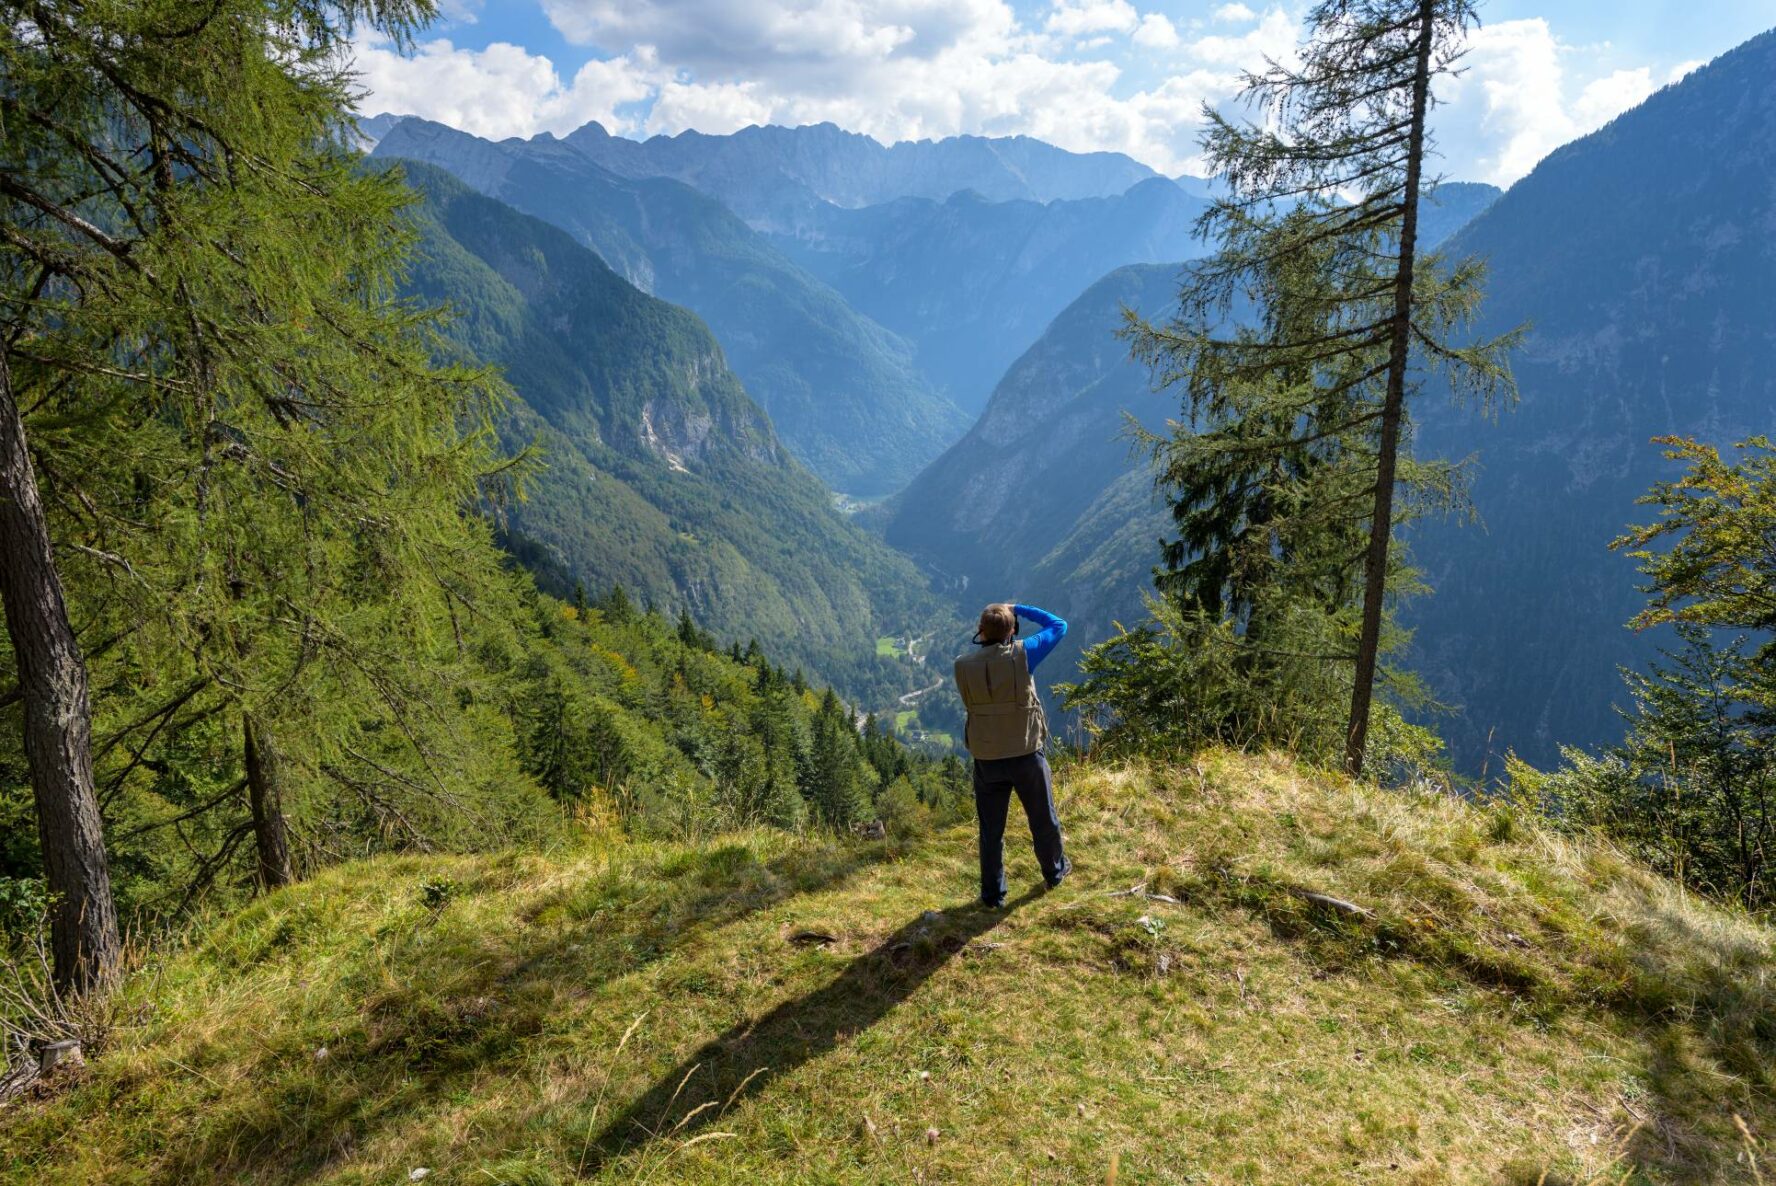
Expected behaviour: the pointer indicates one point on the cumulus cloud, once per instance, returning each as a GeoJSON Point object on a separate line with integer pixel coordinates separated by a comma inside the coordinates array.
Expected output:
{"type": "Point", "coordinates": [1086, 17]}
{"type": "Point", "coordinates": [911, 69]}
{"type": "Point", "coordinates": [502, 90]}
{"type": "Point", "coordinates": [1082, 74]}
{"type": "Point", "coordinates": [1605, 98]}
{"type": "Point", "coordinates": [1519, 99]}
{"type": "Point", "coordinates": [1156, 31]}
{"type": "Point", "coordinates": [1275, 36]}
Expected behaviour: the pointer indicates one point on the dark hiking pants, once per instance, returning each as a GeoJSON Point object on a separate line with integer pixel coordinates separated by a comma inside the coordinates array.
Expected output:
{"type": "Point", "coordinates": [994, 783]}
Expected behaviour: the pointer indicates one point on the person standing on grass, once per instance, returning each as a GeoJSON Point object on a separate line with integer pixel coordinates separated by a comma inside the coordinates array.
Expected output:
{"type": "Point", "coordinates": [1005, 734]}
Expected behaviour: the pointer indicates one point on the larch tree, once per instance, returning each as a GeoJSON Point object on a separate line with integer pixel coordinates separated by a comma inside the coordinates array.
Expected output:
{"type": "Point", "coordinates": [1301, 341]}
{"type": "Point", "coordinates": [1691, 788]}
{"type": "Point", "coordinates": [210, 403]}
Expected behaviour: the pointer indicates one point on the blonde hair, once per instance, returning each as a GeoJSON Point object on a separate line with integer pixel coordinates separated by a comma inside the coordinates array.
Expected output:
{"type": "Point", "coordinates": [998, 622]}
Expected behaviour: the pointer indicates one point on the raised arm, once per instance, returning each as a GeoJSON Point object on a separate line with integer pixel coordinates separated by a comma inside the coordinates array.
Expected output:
{"type": "Point", "coordinates": [1051, 630]}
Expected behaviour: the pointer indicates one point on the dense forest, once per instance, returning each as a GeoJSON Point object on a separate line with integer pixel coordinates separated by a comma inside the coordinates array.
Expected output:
{"type": "Point", "coordinates": [253, 479]}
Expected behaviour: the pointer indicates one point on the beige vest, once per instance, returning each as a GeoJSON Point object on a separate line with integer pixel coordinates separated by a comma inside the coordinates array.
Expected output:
{"type": "Point", "coordinates": [1004, 713]}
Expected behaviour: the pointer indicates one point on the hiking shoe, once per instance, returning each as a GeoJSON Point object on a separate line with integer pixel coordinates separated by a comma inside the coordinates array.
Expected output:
{"type": "Point", "coordinates": [992, 903]}
{"type": "Point", "coordinates": [1066, 868]}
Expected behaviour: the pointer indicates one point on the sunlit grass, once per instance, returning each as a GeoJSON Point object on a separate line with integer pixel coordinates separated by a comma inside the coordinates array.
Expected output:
{"type": "Point", "coordinates": [1514, 1008]}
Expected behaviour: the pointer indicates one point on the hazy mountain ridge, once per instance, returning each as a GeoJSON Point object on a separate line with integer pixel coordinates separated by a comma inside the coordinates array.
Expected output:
{"type": "Point", "coordinates": [1644, 256]}
{"type": "Point", "coordinates": [972, 283]}
{"type": "Point", "coordinates": [843, 392]}
{"type": "Point", "coordinates": [661, 473]}
{"type": "Point", "coordinates": [765, 174]}
{"type": "Point", "coordinates": [1045, 498]}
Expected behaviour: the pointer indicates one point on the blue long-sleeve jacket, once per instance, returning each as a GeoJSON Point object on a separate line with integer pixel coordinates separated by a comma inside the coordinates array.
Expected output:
{"type": "Point", "coordinates": [1038, 645]}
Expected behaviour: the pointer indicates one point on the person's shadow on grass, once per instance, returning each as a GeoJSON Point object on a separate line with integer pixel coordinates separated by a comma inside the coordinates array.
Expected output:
{"type": "Point", "coordinates": [739, 1063]}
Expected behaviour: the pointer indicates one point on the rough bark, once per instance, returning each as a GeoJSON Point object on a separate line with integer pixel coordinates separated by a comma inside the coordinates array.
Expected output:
{"type": "Point", "coordinates": [1381, 525]}
{"type": "Point", "coordinates": [263, 794]}
{"type": "Point", "coordinates": [57, 722]}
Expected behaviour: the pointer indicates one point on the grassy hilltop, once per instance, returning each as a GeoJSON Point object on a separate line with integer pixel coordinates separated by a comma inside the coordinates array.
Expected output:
{"type": "Point", "coordinates": [1513, 1008]}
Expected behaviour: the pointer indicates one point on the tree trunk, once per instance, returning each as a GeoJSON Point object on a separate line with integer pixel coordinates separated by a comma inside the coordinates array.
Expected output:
{"type": "Point", "coordinates": [268, 811]}
{"type": "Point", "coordinates": [58, 722]}
{"type": "Point", "coordinates": [1381, 526]}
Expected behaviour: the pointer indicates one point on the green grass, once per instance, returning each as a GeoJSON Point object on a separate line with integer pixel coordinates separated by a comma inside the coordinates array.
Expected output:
{"type": "Point", "coordinates": [888, 648]}
{"type": "Point", "coordinates": [1517, 1008]}
{"type": "Point", "coordinates": [906, 718]}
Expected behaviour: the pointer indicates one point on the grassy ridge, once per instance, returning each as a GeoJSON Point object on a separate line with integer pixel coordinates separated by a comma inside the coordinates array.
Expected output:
{"type": "Point", "coordinates": [1514, 1008]}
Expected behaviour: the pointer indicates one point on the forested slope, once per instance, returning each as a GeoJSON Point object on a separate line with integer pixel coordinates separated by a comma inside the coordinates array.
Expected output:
{"type": "Point", "coordinates": [842, 391]}
{"type": "Point", "coordinates": [972, 283]}
{"type": "Point", "coordinates": [1642, 258]}
{"type": "Point", "coordinates": [659, 472]}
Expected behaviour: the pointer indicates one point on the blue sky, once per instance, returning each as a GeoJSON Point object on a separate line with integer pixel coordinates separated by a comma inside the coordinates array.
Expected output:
{"type": "Point", "coordinates": [1125, 75]}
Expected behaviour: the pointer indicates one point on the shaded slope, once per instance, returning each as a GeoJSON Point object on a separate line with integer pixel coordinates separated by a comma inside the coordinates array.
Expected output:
{"type": "Point", "coordinates": [1042, 500]}
{"type": "Point", "coordinates": [1644, 255]}
{"type": "Point", "coordinates": [661, 473]}
{"type": "Point", "coordinates": [842, 391]}
{"type": "Point", "coordinates": [973, 283]}
{"type": "Point", "coordinates": [1516, 1009]}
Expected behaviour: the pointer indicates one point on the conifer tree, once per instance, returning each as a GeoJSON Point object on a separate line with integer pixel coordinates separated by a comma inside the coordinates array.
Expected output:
{"type": "Point", "coordinates": [1309, 408]}
{"type": "Point", "coordinates": [194, 293]}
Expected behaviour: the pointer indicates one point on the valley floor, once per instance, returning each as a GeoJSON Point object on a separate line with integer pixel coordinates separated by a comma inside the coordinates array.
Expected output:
{"type": "Point", "coordinates": [1514, 1008]}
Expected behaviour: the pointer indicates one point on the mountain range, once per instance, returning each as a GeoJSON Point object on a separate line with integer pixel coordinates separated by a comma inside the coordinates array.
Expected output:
{"type": "Point", "coordinates": [659, 472]}
{"type": "Point", "coordinates": [1640, 256]}
{"type": "Point", "coordinates": [947, 258]}
{"type": "Point", "coordinates": [843, 392]}
{"type": "Point", "coordinates": [1045, 498]}
{"type": "Point", "coordinates": [1643, 256]}
{"type": "Point", "coordinates": [768, 175]}
{"type": "Point", "coordinates": [972, 282]}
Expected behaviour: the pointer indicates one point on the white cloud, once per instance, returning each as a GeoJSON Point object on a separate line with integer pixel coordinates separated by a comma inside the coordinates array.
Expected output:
{"type": "Point", "coordinates": [502, 90]}
{"type": "Point", "coordinates": [1156, 32]}
{"type": "Point", "coordinates": [1085, 17]}
{"type": "Point", "coordinates": [1605, 98]}
{"type": "Point", "coordinates": [1276, 35]}
{"type": "Point", "coordinates": [893, 69]}
{"type": "Point", "coordinates": [1075, 73]}
{"type": "Point", "coordinates": [1517, 101]}
{"type": "Point", "coordinates": [1683, 68]}
{"type": "Point", "coordinates": [777, 37]}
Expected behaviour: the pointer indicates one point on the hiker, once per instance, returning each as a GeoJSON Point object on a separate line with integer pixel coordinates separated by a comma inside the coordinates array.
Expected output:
{"type": "Point", "coordinates": [1005, 734]}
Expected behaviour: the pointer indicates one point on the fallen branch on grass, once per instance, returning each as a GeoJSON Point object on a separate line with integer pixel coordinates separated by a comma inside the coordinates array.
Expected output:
{"type": "Point", "coordinates": [1331, 903]}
